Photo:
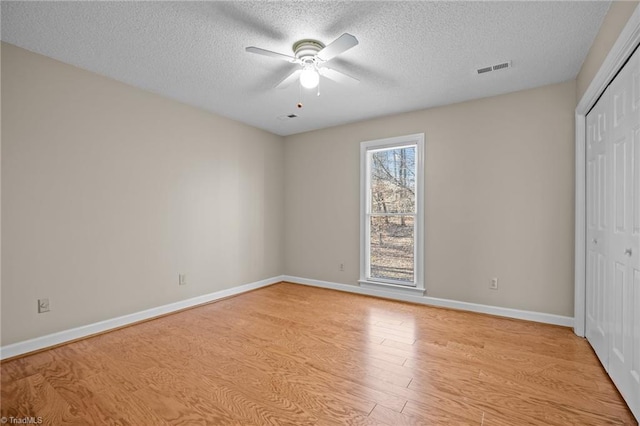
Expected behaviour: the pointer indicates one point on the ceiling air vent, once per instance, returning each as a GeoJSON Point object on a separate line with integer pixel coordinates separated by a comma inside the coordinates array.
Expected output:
{"type": "Point", "coordinates": [495, 67]}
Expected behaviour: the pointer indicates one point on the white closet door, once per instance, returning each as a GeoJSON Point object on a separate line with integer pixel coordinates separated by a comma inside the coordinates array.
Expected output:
{"type": "Point", "coordinates": [613, 231]}
{"type": "Point", "coordinates": [624, 152]}
{"type": "Point", "coordinates": [598, 200]}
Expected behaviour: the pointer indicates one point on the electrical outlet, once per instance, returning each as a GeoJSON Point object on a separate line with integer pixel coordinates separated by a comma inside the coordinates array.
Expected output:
{"type": "Point", "coordinates": [494, 284]}
{"type": "Point", "coordinates": [182, 279]}
{"type": "Point", "coordinates": [342, 267]}
{"type": "Point", "coordinates": [43, 305]}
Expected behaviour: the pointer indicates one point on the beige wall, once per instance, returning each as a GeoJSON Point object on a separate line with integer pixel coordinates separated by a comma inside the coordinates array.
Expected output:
{"type": "Point", "coordinates": [499, 198]}
{"type": "Point", "coordinates": [615, 20]}
{"type": "Point", "coordinates": [108, 192]}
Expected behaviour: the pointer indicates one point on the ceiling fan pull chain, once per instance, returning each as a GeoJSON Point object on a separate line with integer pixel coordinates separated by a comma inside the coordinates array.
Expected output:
{"type": "Point", "coordinates": [299, 105]}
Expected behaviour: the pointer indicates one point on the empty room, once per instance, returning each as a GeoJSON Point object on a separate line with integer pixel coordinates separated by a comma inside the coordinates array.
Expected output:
{"type": "Point", "coordinates": [320, 213]}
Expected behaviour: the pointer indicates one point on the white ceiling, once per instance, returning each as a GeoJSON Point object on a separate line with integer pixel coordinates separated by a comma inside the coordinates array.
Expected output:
{"type": "Point", "coordinates": [412, 54]}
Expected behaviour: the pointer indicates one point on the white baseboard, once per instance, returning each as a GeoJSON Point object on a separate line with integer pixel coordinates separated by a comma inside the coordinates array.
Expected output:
{"type": "Point", "coordinates": [65, 336]}
{"type": "Point", "coordinates": [444, 303]}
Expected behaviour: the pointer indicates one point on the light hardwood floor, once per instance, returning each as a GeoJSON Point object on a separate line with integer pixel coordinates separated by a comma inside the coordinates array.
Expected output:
{"type": "Point", "coordinates": [296, 355]}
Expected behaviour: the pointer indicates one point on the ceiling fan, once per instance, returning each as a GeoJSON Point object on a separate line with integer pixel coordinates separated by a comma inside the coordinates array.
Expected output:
{"type": "Point", "coordinates": [311, 56]}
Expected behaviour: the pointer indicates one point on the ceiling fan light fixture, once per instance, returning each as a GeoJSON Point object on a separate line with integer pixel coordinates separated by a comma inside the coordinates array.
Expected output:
{"type": "Point", "coordinates": [309, 78]}
{"type": "Point", "coordinates": [311, 55]}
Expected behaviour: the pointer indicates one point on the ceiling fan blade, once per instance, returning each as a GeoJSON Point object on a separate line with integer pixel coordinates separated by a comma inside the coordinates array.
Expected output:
{"type": "Point", "coordinates": [289, 79]}
{"type": "Point", "coordinates": [269, 53]}
{"type": "Point", "coordinates": [343, 43]}
{"type": "Point", "coordinates": [338, 76]}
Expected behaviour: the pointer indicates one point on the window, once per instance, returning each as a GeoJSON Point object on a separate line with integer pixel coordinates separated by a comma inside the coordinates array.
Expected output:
{"type": "Point", "coordinates": [391, 213]}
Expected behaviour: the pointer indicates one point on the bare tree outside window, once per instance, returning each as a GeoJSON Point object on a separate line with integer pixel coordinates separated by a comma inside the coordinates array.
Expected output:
{"type": "Point", "coordinates": [392, 213]}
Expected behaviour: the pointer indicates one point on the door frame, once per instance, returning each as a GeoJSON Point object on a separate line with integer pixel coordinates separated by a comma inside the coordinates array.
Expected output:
{"type": "Point", "coordinates": [618, 55]}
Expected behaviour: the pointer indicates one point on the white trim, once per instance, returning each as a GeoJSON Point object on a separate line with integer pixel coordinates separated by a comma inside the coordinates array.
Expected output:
{"type": "Point", "coordinates": [580, 273]}
{"type": "Point", "coordinates": [443, 303]}
{"type": "Point", "coordinates": [621, 51]}
{"type": "Point", "coordinates": [392, 287]}
{"type": "Point", "coordinates": [418, 140]}
{"type": "Point", "coordinates": [65, 336]}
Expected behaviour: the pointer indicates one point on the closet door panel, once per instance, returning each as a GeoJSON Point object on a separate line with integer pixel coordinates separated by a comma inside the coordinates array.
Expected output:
{"type": "Point", "coordinates": [624, 250]}
{"type": "Point", "coordinates": [598, 196]}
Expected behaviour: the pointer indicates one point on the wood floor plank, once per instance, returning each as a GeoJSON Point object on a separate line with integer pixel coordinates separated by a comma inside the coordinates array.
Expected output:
{"type": "Point", "coordinates": [290, 354]}
{"type": "Point", "coordinates": [278, 359]}
{"type": "Point", "coordinates": [16, 370]}
{"type": "Point", "coordinates": [386, 416]}
{"type": "Point", "coordinates": [436, 410]}
{"type": "Point", "coordinates": [128, 408]}
{"type": "Point", "coordinates": [34, 397]}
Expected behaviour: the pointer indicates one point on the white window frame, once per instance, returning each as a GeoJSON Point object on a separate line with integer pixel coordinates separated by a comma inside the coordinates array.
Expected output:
{"type": "Point", "coordinates": [418, 286]}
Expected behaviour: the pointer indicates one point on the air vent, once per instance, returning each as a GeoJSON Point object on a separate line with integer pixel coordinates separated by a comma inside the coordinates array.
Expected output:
{"type": "Point", "coordinates": [495, 67]}
{"type": "Point", "coordinates": [287, 117]}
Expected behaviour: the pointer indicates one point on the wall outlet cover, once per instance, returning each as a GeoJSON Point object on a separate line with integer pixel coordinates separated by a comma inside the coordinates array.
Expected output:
{"type": "Point", "coordinates": [43, 305]}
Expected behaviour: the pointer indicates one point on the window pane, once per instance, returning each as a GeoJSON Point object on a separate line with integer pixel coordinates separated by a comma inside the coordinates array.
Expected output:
{"type": "Point", "coordinates": [391, 250]}
{"type": "Point", "coordinates": [393, 180]}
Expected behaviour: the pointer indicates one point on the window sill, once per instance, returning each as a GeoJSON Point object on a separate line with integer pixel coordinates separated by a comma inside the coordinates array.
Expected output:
{"type": "Point", "coordinates": [393, 288]}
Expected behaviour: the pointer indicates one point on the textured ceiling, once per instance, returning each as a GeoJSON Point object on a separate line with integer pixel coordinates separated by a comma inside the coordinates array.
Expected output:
{"type": "Point", "coordinates": [412, 55]}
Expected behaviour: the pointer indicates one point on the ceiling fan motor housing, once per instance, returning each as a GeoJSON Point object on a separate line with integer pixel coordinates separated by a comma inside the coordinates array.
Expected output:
{"type": "Point", "coordinates": [306, 50]}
